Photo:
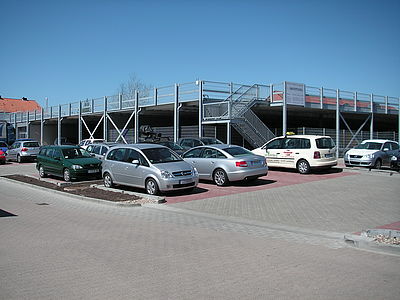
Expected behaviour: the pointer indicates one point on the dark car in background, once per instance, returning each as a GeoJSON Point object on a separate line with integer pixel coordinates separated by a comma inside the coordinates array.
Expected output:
{"type": "Point", "coordinates": [98, 150]}
{"type": "Point", "coordinates": [395, 161]}
{"type": "Point", "coordinates": [173, 146]}
{"type": "Point", "coordinates": [68, 162]}
{"type": "Point", "coordinates": [3, 146]}
{"type": "Point", "coordinates": [188, 143]}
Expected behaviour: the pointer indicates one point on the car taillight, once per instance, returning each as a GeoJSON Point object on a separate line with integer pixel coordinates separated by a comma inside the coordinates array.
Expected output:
{"type": "Point", "coordinates": [317, 155]}
{"type": "Point", "coordinates": [24, 149]}
{"type": "Point", "coordinates": [241, 164]}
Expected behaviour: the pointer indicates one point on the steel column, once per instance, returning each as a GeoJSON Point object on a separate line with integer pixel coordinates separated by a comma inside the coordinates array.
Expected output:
{"type": "Point", "coordinates": [284, 110]}
{"type": "Point", "coordinates": [271, 93]}
{"type": "Point", "coordinates": [398, 117]}
{"type": "Point", "coordinates": [41, 126]}
{"type": "Point", "coordinates": [337, 123]}
{"type": "Point", "coordinates": [371, 128]}
{"type": "Point", "coordinates": [355, 101]}
{"type": "Point", "coordinates": [27, 124]}
{"type": "Point", "coordinates": [137, 117]}
{"type": "Point", "coordinates": [80, 122]}
{"type": "Point", "coordinates": [176, 114]}
{"type": "Point", "coordinates": [105, 120]}
{"type": "Point", "coordinates": [200, 108]}
{"type": "Point", "coordinates": [321, 98]}
{"type": "Point", "coordinates": [59, 125]}
{"type": "Point", "coordinates": [228, 133]}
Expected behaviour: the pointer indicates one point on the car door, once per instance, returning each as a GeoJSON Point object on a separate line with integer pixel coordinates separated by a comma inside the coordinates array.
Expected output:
{"type": "Point", "coordinates": [387, 153]}
{"type": "Point", "coordinates": [273, 152]}
{"type": "Point", "coordinates": [58, 162]}
{"type": "Point", "coordinates": [116, 164]}
{"type": "Point", "coordinates": [134, 173]}
{"type": "Point", "coordinates": [193, 157]}
{"type": "Point", "coordinates": [12, 153]}
{"type": "Point", "coordinates": [208, 161]}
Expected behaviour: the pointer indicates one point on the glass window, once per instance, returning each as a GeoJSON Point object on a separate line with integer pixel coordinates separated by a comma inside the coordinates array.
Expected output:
{"type": "Point", "coordinates": [42, 151]}
{"type": "Point", "coordinates": [96, 149]}
{"type": "Point", "coordinates": [49, 152]}
{"type": "Point", "coordinates": [212, 153]}
{"type": "Point", "coordinates": [370, 146]}
{"type": "Point", "coordinates": [195, 153]}
{"type": "Point", "coordinates": [210, 141]}
{"type": "Point", "coordinates": [325, 143]}
{"type": "Point", "coordinates": [71, 153]}
{"type": "Point", "coordinates": [160, 155]}
{"type": "Point", "coordinates": [387, 146]}
{"type": "Point", "coordinates": [89, 149]}
{"type": "Point", "coordinates": [131, 156]}
{"type": "Point", "coordinates": [275, 144]}
{"type": "Point", "coordinates": [187, 143]}
{"type": "Point", "coordinates": [16, 145]}
{"type": "Point", "coordinates": [117, 154]}
{"type": "Point", "coordinates": [395, 146]}
{"type": "Point", "coordinates": [104, 150]}
{"type": "Point", "coordinates": [197, 143]}
{"type": "Point", "coordinates": [237, 151]}
{"type": "Point", "coordinates": [31, 144]}
{"type": "Point", "coordinates": [56, 153]}
{"type": "Point", "coordinates": [296, 143]}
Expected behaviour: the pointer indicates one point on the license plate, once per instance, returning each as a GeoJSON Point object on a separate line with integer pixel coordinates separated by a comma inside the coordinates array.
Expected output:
{"type": "Point", "coordinates": [93, 171]}
{"type": "Point", "coordinates": [185, 181]}
{"type": "Point", "coordinates": [255, 163]}
{"type": "Point", "coordinates": [329, 155]}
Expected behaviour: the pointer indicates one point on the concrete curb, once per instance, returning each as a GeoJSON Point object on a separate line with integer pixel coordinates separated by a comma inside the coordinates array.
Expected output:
{"type": "Point", "coordinates": [88, 199]}
{"type": "Point", "coordinates": [157, 199]}
{"type": "Point", "coordinates": [367, 243]}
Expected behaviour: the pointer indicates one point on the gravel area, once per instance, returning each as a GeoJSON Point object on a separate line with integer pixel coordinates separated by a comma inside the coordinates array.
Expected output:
{"type": "Point", "coordinates": [85, 189]}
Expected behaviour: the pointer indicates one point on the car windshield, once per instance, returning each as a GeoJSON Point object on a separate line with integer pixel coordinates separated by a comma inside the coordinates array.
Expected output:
{"type": "Point", "coordinates": [237, 151]}
{"type": "Point", "coordinates": [210, 141]}
{"type": "Point", "coordinates": [171, 145]}
{"type": "Point", "coordinates": [31, 144]}
{"type": "Point", "coordinates": [325, 143]}
{"type": "Point", "coordinates": [160, 155]}
{"type": "Point", "coordinates": [370, 146]}
{"type": "Point", "coordinates": [72, 153]}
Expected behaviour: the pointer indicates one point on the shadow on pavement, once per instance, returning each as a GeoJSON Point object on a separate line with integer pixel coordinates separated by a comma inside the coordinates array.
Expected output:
{"type": "Point", "coordinates": [4, 213]}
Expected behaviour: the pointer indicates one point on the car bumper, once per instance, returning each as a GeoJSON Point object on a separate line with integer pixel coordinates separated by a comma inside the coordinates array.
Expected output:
{"type": "Point", "coordinates": [245, 174]}
{"type": "Point", "coordinates": [85, 173]}
{"type": "Point", "coordinates": [323, 164]}
{"type": "Point", "coordinates": [174, 184]}
{"type": "Point", "coordinates": [358, 162]}
{"type": "Point", "coordinates": [28, 155]}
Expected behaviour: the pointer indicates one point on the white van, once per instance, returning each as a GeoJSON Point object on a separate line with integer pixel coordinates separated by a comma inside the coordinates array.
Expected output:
{"type": "Point", "coordinates": [301, 152]}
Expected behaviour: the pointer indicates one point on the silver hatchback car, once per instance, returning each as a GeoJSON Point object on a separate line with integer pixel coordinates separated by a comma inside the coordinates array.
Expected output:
{"type": "Point", "coordinates": [23, 150]}
{"type": "Point", "coordinates": [223, 163]}
{"type": "Point", "coordinates": [153, 167]}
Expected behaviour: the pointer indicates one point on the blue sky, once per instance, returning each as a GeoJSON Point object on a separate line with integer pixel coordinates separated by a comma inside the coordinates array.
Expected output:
{"type": "Point", "coordinates": [73, 50]}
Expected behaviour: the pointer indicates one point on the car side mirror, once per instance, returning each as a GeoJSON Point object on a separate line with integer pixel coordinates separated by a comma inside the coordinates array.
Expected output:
{"type": "Point", "coordinates": [92, 154]}
{"type": "Point", "coordinates": [385, 149]}
{"type": "Point", "coordinates": [135, 162]}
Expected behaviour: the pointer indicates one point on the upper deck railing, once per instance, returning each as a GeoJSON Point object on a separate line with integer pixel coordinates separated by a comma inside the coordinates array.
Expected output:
{"type": "Point", "coordinates": [213, 92]}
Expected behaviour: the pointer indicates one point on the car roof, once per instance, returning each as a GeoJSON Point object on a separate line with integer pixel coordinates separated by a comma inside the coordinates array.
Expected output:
{"type": "Point", "coordinates": [217, 146]}
{"type": "Point", "coordinates": [377, 141]}
{"type": "Point", "coordinates": [62, 146]}
{"type": "Point", "coordinates": [142, 146]}
{"type": "Point", "coordinates": [310, 136]}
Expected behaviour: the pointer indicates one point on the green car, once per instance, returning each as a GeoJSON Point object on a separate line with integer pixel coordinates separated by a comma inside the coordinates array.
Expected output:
{"type": "Point", "coordinates": [69, 162]}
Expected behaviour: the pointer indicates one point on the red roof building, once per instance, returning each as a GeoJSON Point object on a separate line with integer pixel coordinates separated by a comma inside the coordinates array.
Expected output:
{"type": "Point", "coordinates": [14, 105]}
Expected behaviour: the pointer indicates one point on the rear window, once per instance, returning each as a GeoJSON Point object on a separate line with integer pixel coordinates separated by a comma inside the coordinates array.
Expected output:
{"type": "Point", "coordinates": [237, 151]}
{"type": "Point", "coordinates": [325, 143]}
{"type": "Point", "coordinates": [31, 144]}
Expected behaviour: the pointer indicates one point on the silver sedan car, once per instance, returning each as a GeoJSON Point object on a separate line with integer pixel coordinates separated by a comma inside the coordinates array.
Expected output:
{"type": "Point", "coordinates": [153, 167]}
{"type": "Point", "coordinates": [223, 163]}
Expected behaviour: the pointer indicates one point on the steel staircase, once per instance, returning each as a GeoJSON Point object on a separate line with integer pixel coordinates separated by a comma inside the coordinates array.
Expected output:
{"type": "Point", "coordinates": [237, 108]}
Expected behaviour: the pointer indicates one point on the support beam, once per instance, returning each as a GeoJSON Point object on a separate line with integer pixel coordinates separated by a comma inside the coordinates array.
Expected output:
{"type": "Point", "coordinates": [284, 110]}
{"type": "Point", "coordinates": [105, 120]}
{"type": "Point", "coordinates": [177, 106]}
{"type": "Point", "coordinates": [41, 126]}
{"type": "Point", "coordinates": [200, 83]}
{"type": "Point", "coordinates": [337, 123]}
{"type": "Point", "coordinates": [80, 122]}
{"type": "Point", "coordinates": [371, 128]}
{"type": "Point", "coordinates": [228, 133]}
{"type": "Point", "coordinates": [137, 111]}
{"type": "Point", "coordinates": [27, 124]}
{"type": "Point", "coordinates": [59, 125]}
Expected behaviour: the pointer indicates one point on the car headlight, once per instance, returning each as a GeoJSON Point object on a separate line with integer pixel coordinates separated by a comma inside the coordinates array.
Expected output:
{"type": "Point", "coordinates": [369, 156]}
{"type": "Point", "coordinates": [394, 157]}
{"type": "Point", "coordinates": [77, 167]}
{"type": "Point", "coordinates": [195, 172]}
{"type": "Point", "coordinates": [166, 174]}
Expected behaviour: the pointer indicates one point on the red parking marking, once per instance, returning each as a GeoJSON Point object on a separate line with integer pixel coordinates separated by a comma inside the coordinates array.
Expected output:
{"type": "Point", "coordinates": [274, 179]}
{"type": "Point", "coordinates": [393, 226]}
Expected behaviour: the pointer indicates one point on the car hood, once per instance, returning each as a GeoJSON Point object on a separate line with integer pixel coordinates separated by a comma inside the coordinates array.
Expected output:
{"type": "Point", "coordinates": [361, 151]}
{"type": "Point", "coordinates": [84, 161]}
{"type": "Point", "coordinates": [175, 166]}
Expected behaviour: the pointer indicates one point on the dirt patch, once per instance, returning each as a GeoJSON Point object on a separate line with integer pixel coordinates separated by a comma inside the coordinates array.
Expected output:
{"type": "Point", "coordinates": [83, 189]}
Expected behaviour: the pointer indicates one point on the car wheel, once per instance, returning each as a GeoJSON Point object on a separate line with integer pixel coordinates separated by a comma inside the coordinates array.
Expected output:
{"type": "Point", "coordinates": [303, 166]}
{"type": "Point", "coordinates": [42, 173]}
{"type": "Point", "coordinates": [220, 178]}
{"type": "Point", "coordinates": [67, 175]}
{"type": "Point", "coordinates": [19, 159]}
{"type": "Point", "coordinates": [378, 164]}
{"type": "Point", "coordinates": [107, 181]}
{"type": "Point", "coordinates": [151, 187]}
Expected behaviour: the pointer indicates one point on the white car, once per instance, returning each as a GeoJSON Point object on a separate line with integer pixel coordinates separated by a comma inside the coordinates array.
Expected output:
{"type": "Point", "coordinates": [84, 143]}
{"type": "Point", "coordinates": [301, 152]}
{"type": "Point", "coordinates": [372, 153]}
